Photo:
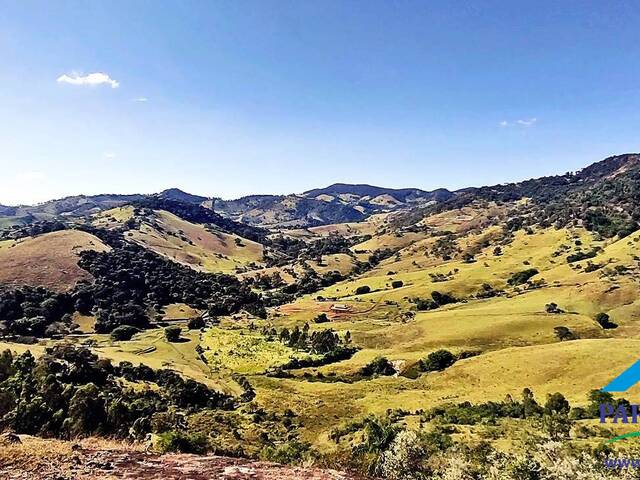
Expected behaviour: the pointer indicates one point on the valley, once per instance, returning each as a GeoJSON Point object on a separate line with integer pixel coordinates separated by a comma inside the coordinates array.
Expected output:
{"type": "Point", "coordinates": [296, 328]}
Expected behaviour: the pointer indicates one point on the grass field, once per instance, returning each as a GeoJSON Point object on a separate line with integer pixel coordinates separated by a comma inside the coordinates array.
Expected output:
{"type": "Point", "coordinates": [49, 260]}
{"type": "Point", "coordinates": [511, 333]}
{"type": "Point", "coordinates": [193, 245]}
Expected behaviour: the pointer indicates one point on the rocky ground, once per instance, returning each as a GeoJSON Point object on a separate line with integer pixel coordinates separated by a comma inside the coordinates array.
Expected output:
{"type": "Point", "coordinates": [30, 458]}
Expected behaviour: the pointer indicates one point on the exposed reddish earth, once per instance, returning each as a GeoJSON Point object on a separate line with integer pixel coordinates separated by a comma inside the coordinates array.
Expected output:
{"type": "Point", "coordinates": [37, 459]}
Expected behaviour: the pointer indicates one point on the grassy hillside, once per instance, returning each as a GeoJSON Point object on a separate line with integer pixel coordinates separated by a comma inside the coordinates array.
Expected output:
{"type": "Point", "coordinates": [48, 260]}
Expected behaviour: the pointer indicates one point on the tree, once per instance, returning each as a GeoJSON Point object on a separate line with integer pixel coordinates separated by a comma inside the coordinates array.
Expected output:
{"type": "Point", "coordinates": [363, 290]}
{"type": "Point", "coordinates": [563, 334]}
{"type": "Point", "coordinates": [604, 321]}
{"type": "Point", "coordinates": [123, 333]}
{"type": "Point", "coordinates": [172, 333]}
{"type": "Point", "coordinates": [438, 361]}
{"type": "Point", "coordinates": [322, 318]}
{"type": "Point", "coordinates": [556, 404]}
{"type": "Point", "coordinates": [529, 404]}
{"type": "Point", "coordinates": [196, 323]}
{"type": "Point", "coordinates": [86, 411]}
{"type": "Point", "coordinates": [378, 366]}
{"type": "Point", "coordinates": [552, 308]}
{"type": "Point", "coordinates": [397, 284]}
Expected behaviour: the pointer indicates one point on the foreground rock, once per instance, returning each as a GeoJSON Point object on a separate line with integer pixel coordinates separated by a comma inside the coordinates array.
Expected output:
{"type": "Point", "coordinates": [38, 459]}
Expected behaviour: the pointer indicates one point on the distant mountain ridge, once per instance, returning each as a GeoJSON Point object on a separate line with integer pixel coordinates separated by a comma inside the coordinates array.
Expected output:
{"type": "Point", "coordinates": [611, 186]}
{"type": "Point", "coordinates": [364, 190]}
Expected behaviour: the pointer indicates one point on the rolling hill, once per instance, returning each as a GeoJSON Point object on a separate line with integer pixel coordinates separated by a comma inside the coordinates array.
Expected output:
{"type": "Point", "coordinates": [320, 319]}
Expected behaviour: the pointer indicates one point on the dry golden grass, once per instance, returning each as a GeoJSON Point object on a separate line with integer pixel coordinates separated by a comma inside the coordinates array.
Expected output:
{"type": "Point", "coordinates": [49, 260]}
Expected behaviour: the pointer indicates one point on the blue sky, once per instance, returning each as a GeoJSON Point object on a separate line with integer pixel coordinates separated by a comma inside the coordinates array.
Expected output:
{"type": "Point", "coordinates": [239, 97]}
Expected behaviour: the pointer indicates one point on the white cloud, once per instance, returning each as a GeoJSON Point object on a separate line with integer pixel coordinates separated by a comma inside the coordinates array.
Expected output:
{"type": "Point", "coordinates": [523, 122]}
{"type": "Point", "coordinates": [92, 79]}
{"type": "Point", "coordinates": [527, 122]}
{"type": "Point", "coordinates": [109, 155]}
{"type": "Point", "coordinates": [141, 99]}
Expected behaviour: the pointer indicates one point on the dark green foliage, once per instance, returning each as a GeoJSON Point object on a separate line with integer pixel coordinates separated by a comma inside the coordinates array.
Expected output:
{"type": "Point", "coordinates": [468, 414]}
{"type": "Point", "coordinates": [32, 229]}
{"type": "Point", "coordinates": [422, 304]}
{"type": "Point", "coordinates": [598, 397]}
{"type": "Point", "coordinates": [30, 311]}
{"type": "Point", "coordinates": [442, 298]}
{"type": "Point", "coordinates": [182, 442]}
{"type": "Point", "coordinates": [563, 334]}
{"type": "Point", "coordinates": [130, 279]}
{"type": "Point", "coordinates": [123, 332]}
{"type": "Point", "coordinates": [195, 323]}
{"type": "Point", "coordinates": [552, 308]}
{"type": "Point", "coordinates": [605, 321]}
{"type": "Point", "coordinates": [578, 256]}
{"type": "Point", "coordinates": [438, 361]}
{"type": "Point", "coordinates": [322, 318]}
{"type": "Point", "coordinates": [519, 278]}
{"type": "Point", "coordinates": [378, 366]}
{"type": "Point", "coordinates": [69, 392]}
{"type": "Point", "coordinates": [530, 407]}
{"type": "Point", "coordinates": [291, 452]}
{"type": "Point", "coordinates": [363, 289]}
{"type": "Point", "coordinates": [172, 333]}
{"type": "Point", "coordinates": [198, 214]}
{"type": "Point", "coordinates": [556, 404]}
{"type": "Point", "coordinates": [397, 284]}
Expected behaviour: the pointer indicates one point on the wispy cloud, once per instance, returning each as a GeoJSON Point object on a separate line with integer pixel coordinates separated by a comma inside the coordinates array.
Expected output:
{"type": "Point", "coordinates": [523, 122]}
{"type": "Point", "coordinates": [109, 155]}
{"type": "Point", "coordinates": [92, 79]}
{"type": "Point", "coordinates": [140, 99]}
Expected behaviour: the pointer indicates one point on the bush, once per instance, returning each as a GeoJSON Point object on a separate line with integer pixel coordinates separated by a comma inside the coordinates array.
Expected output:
{"type": "Point", "coordinates": [123, 333]}
{"type": "Point", "coordinates": [422, 304]}
{"type": "Point", "coordinates": [438, 361]}
{"type": "Point", "coordinates": [379, 366]}
{"type": "Point", "coordinates": [182, 442]}
{"type": "Point", "coordinates": [363, 289]}
{"type": "Point", "coordinates": [322, 318]}
{"type": "Point", "coordinates": [605, 321]}
{"type": "Point", "coordinates": [397, 284]}
{"type": "Point", "coordinates": [552, 308]}
{"type": "Point", "coordinates": [172, 334]}
{"type": "Point", "coordinates": [519, 278]}
{"type": "Point", "coordinates": [563, 333]}
{"type": "Point", "coordinates": [291, 452]}
{"type": "Point", "coordinates": [196, 323]}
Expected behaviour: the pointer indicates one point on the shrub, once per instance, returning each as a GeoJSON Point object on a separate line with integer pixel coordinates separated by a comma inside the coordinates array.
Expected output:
{"type": "Point", "coordinates": [519, 278]}
{"type": "Point", "coordinates": [552, 308]}
{"type": "Point", "coordinates": [172, 334]}
{"type": "Point", "coordinates": [438, 361]}
{"type": "Point", "coordinates": [422, 304]}
{"type": "Point", "coordinates": [182, 442]}
{"type": "Point", "coordinates": [397, 284]}
{"type": "Point", "coordinates": [363, 289]}
{"type": "Point", "coordinates": [322, 318]}
{"type": "Point", "coordinates": [379, 366]}
{"type": "Point", "coordinates": [556, 404]}
{"type": "Point", "coordinates": [123, 333]}
{"type": "Point", "coordinates": [563, 333]}
{"type": "Point", "coordinates": [604, 321]}
{"type": "Point", "coordinates": [196, 323]}
{"type": "Point", "coordinates": [291, 452]}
